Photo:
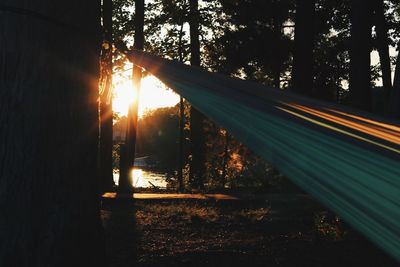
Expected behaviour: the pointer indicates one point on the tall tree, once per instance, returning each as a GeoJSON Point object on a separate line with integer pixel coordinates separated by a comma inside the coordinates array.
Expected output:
{"type": "Point", "coordinates": [137, 77]}
{"type": "Point", "coordinates": [254, 47]}
{"type": "Point", "coordinates": [330, 58]}
{"type": "Point", "coordinates": [171, 16]}
{"type": "Point", "coordinates": [383, 49]}
{"type": "Point", "coordinates": [360, 59]}
{"type": "Point", "coordinates": [303, 47]}
{"type": "Point", "coordinates": [181, 186]}
{"type": "Point", "coordinates": [277, 63]}
{"type": "Point", "coordinates": [49, 73]}
{"type": "Point", "coordinates": [105, 101]}
{"type": "Point", "coordinates": [394, 108]}
{"type": "Point", "coordinates": [197, 138]}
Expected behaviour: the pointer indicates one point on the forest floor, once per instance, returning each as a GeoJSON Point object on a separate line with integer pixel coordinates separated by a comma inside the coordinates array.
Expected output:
{"type": "Point", "coordinates": [272, 230]}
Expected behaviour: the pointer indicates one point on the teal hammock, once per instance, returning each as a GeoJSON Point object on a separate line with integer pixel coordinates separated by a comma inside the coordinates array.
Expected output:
{"type": "Point", "coordinates": [347, 159]}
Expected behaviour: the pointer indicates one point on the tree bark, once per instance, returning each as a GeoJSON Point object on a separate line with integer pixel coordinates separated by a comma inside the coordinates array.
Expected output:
{"type": "Point", "coordinates": [181, 186]}
{"type": "Point", "coordinates": [197, 135]}
{"type": "Point", "coordinates": [383, 50]}
{"type": "Point", "coordinates": [303, 47]}
{"type": "Point", "coordinates": [105, 102]}
{"type": "Point", "coordinates": [49, 57]}
{"type": "Point", "coordinates": [277, 59]}
{"type": "Point", "coordinates": [225, 159]}
{"type": "Point", "coordinates": [360, 55]}
{"type": "Point", "coordinates": [137, 77]}
{"type": "Point", "coordinates": [395, 94]}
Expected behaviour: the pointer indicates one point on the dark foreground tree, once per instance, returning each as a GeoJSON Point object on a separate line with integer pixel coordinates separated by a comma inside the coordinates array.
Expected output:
{"type": "Point", "coordinates": [49, 57]}
{"type": "Point", "coordinates": [360, 58]}
{"type": "Point", "coordinates": [105, 102]}
{"type": "Point", "coordinates": [303, 47]}
{"type": "Point", "coordinates": [197, 138]}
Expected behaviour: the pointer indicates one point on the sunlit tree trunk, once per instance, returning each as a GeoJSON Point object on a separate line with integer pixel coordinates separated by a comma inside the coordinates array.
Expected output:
{"type": "Point", "coordinates": [197, 138]}
{"type": "Point", "coordinates": [383, 49]}
{"type": "Point", "coordinates": [49, 68]}
{"type": "Point", "coordinates": [137, 77]}
{"type": "Point", "coordinates": [105, 108]}
{"type": "Point", "coordinates": [360, 58]}
{"type": "Point", "coordinates": [303, 47]}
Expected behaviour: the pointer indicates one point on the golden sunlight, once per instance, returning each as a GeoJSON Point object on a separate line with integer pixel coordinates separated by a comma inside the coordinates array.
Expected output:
{"type": "Point", "coordinates": [153, 94]}
{"type": "Point", "coordinates": [137, 178]}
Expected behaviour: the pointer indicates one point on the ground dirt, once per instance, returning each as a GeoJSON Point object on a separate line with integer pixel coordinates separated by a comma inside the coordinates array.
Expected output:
{"type": "Point", "coordinates": [273, 230]}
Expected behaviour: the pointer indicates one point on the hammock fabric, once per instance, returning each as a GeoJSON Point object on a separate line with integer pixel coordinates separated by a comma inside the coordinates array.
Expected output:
{"type": "Point", "coordinates": [347, 159]}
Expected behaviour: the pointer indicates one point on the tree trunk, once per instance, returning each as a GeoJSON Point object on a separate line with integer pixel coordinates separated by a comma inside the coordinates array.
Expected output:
{"type": "Point", "coordinates": [225, 159]}
{"type": "Point", "coordinates": [197, 138]}
{"type": "Point", "coordinates": [105, 108]}
{"type": "Point", "coordinates": [181, 186]}
{"type": "Point", "coordinates": [360, 55]}
{"type": "Point", "coordinates": [303, 47]}
{"type": "Point", "coordinates": [277, 59]}
{"type": "Point", "coordinates": [137, 77]}
{"type": "Point", "coordinates": [383, 49]}
{"type": "Point", "coordinates": [395, 94]}
{"type": "Point", "coordinates": [49, 57]}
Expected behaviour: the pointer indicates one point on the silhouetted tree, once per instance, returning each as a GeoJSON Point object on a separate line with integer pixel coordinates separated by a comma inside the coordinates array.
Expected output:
{"type": "Point", "coordinates": [197, 135]}
{"type": "Point", "coordinates": [360, 58]}
{"type": "Point", "coordinates": [303, 47]}
{"type": "Point", "coordinates": [137, 76]}
{"type": "Point", "coordinates": [49, 74]}
{"type": "Point", "coordinates": [172, 41]}
{"type": "Point", "coordinates": [330, 57]}
{"type": "Point", "coordinates": [253, 47]}
{"type": "Point", "coordinates": [105, 101]}
{"type": "Point", "coordinates": [395, 94]}
{"type": "Point", "coordinates": [382, 44]}
{"type": "Point", "coordinates": [181, 185]}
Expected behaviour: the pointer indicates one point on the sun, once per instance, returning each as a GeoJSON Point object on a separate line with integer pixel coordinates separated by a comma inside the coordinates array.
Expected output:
{"type": "Point", "coordinates": [153, 94]}
{"type": "Point", "coordinates": [123, 96]}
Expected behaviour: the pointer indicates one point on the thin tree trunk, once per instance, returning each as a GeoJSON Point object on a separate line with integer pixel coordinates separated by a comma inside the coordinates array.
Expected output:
{"type": "Point", "coordinates": [137, 76]}
{"type": "Point", "coordinates": [395, 94]}
{"type": "Point", "coordinates": [226, 159]}
{"type": "Point", "coordinates": [197, 138]}
{"type": "Point", "coordinates": [383, 49]}
{"type": "Point", "coordinates": [277, 59]}
{"type": "Point", "coordinates": [106, 112]}
{"type": "Point", "coordinates": [303, 47]}
{"type": "Point", "coordinates": [194, 25]}
{"type": "Point", "coordinates": [49, 57]}
{"type": "Point", "coordinates": [360, 59]}
{"type": "Point", "coordinates": [181, 186]}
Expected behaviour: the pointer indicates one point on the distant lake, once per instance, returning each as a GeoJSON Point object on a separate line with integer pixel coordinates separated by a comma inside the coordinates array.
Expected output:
{"type": "Point", "coordinates": [144, 178]}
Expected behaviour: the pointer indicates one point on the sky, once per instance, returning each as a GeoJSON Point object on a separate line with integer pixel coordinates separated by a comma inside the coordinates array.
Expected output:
{"type": "Point", "coordinates": [375, 61]}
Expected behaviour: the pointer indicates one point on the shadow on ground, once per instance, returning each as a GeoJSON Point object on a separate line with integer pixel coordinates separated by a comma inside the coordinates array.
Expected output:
{"type": "Point", "coordinates": [277, 230]}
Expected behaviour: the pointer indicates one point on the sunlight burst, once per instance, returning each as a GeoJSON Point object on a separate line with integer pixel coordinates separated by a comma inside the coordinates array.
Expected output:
{"type": "Point", "coordinates": [153, 94]}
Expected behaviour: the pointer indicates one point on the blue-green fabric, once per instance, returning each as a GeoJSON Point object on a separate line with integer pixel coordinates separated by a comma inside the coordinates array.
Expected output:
{"type": "Point", "coordinates": [355, 178]}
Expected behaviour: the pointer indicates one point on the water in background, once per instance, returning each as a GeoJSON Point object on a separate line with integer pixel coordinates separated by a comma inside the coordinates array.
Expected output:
{"type": "Point", "coordinates": [145, 179]}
